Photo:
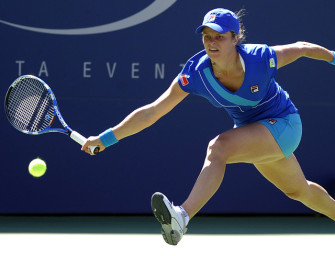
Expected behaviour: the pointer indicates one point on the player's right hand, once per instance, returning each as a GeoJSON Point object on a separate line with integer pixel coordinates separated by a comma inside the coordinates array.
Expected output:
{"type": "Point", "coordinates": [92, 141]}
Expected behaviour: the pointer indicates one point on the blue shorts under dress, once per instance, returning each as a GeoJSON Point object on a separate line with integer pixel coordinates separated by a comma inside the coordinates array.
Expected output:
{"type": "Point", "coordinates": [287, 131]}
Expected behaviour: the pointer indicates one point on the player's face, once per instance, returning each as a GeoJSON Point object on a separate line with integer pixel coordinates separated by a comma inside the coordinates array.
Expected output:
{"type": "Point", "coordinates": [218, 45]}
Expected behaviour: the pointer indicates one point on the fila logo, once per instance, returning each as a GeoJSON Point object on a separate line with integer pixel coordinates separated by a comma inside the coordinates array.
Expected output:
{"type": "Point", "coordinates": [254, 88]}
{"type": "Point", "coordinates": [272, 63]}
{"type": "Point", "coordinates": [212, 18]}
{"type": "Point", "coordinates": [272, 121]}
{"type": "Point", "coordinates": [183, 80]}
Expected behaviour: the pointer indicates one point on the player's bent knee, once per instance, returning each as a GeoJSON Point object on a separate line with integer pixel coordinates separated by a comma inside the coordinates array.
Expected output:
{"type": "Point", "coordinates": [300, 192]}
{"type": "Point", "coordinates": [297, 195]}
{"type": "Point", "coordinates": [293, 195]}
{"type": "Point", "coordinates": [217, 150]}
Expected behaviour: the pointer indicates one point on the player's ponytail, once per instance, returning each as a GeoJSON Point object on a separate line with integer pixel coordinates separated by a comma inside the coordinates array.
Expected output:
{"type": "Point", "coordinates": [242, 34]}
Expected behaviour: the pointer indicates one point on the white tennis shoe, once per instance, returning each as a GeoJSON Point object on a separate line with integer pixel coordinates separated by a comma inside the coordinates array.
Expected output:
{"type": "Point", "coordinates": [172, 218]}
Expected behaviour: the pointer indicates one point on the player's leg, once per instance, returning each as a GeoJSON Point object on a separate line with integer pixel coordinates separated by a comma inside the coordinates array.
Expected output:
{"type": "Point", "coordinates": [243, 144]}
{"type": "Point", "coordinates": [249, 143]}
{"type": "Point", "coordinates": [286, 174]}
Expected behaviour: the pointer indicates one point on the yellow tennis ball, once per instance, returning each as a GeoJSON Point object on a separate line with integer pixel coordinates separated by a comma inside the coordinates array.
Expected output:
{"type": "Point", "coordinates": [37, 167]}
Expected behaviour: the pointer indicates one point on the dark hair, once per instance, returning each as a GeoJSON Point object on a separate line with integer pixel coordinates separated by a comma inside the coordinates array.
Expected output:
{"type": "Point", "coordinates": [242, 35]}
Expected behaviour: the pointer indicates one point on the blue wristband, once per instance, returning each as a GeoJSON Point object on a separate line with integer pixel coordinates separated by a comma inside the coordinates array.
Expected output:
{"type": "Point", "coordinates": [332, 62]}
{"type": "Point", "coordinates": [108, 138]}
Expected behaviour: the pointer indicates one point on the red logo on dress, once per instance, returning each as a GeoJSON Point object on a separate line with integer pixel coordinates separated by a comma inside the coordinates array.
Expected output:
{"type": "Point", "coordinates": [254, 88]}
{"type": "Point", "coordinates": [183, 80]}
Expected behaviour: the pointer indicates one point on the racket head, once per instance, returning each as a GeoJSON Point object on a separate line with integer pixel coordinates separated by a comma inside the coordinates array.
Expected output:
{"type": "Point", "coordinates": [29, 105]}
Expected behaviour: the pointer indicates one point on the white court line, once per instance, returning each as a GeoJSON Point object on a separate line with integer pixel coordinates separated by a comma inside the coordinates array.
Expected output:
{"type": "Point", "coordinates": [147, 245]}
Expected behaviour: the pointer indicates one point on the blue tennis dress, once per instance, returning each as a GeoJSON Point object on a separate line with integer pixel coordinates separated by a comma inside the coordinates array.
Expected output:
{"type": "Point", "coordinates": [259, 97]}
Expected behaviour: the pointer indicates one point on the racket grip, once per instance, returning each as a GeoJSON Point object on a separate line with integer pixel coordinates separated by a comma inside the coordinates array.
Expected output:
{"type": "Point", "coordinates": [81, 140]}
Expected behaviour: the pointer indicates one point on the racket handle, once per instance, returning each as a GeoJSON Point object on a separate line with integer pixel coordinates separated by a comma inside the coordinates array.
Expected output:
{"type": "Point", "coordinates": [81, 140]}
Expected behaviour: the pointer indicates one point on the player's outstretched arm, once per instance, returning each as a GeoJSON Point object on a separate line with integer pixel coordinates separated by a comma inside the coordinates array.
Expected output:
{"type": "Point", "coordinates": [140, 118]}
{"type": "Point", "coordinates": [289, 53]}
{"type": "Point", "coordinates": [147, 115]}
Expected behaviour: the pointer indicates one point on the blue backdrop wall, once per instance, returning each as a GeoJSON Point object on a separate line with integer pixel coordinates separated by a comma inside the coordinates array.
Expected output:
{"type": "Point", "coordinates": [125, 55]}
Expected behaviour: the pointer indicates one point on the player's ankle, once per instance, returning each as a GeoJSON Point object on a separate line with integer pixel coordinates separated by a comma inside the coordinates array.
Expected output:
{"type": "Point", "coordinates": [183, 213]}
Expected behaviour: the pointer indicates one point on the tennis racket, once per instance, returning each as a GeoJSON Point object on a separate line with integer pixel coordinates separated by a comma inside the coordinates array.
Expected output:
{"type": "Point", "coordinates": [31, 107]}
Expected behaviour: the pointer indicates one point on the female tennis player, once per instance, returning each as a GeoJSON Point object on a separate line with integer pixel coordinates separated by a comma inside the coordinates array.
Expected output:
{"type": "Point", "coordinates": [267, 130]}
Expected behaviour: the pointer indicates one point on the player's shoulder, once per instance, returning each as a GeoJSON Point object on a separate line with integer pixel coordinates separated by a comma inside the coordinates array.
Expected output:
{"type": "Point", "coordinates": [198, 56]}
{"type": "Point", "coordinates": [190, 74]}
{"type": "Point", "coordinates": [255, 51]}
{"type": "Point", "coordinates": [197, 61]}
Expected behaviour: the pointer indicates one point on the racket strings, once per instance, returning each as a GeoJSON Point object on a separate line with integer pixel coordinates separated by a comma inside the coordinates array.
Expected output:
{"type": "Point", "coordinates": [30, 106]}
{"type": "Point", "coordinates": [41, 120]}
{"type": "Point", "coordinates": [23, 103]}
